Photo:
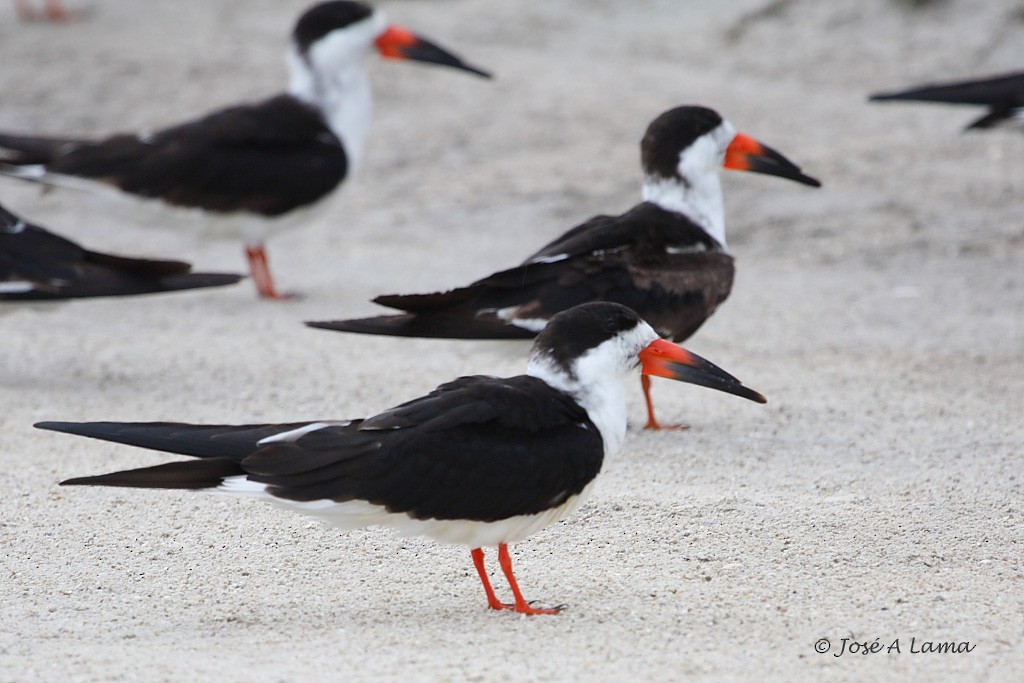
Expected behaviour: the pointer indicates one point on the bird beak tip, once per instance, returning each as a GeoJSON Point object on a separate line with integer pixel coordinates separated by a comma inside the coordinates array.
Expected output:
{"type": "Point", "coordinates": [401, 43]}
{"type": "Point", "coordinates": [746, 153]}
{"type": "Point", "coordinates": [664, 359]}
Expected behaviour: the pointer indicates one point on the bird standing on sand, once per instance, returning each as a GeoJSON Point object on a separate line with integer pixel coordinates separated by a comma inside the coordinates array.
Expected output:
{"type": "Point", "coordinates": [665, 258]}
{"type": "Point", "coordinates": [480, 461]}
{"type": "Point", "coordinates": [252, 165]}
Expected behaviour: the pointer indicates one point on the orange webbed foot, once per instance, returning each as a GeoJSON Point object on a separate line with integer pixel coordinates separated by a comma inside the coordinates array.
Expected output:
{"type": "Point", "coordinates": [654, 425]}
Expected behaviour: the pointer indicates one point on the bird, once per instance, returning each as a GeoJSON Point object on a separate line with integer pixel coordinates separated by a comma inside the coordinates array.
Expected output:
{"type": "Point", "coordinates": [480, 461]}
{"type": "Point", "coordinates": [666, 258]}
{"type": "Point", "coordinates": [1003, 95]}
{"type": "Point", "coordinates": [37, 265]}
{"type": "Point", "coordinates": [249, 166]}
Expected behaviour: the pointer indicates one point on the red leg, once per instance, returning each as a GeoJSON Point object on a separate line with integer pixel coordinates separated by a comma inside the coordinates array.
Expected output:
{"type": "Point", "coordinates": [25, 10]}
{"type": "Point", "coordinates": [52, 10]}
{"type": "Point", "coordinates": [652, 423]}
{"type": "Point", "coordinates": [260, 270]}
{"type": "Point", "coordinates": [521, 605]}
{"type": "Point", "coordinates": [56, 12]}
{"type": "Point", "coordinates": [492, 599]}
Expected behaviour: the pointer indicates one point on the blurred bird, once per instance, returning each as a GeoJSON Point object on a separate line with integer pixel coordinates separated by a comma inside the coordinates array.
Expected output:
{"type": "Point", "coordinates": [480, 461]}
{"type": "Point", "coordinates": [1003, 95]}
{"type": "Point", "coordinates": [249, 166]}
{"type": "Point", "coordinates": [665, 258]}
{"type": "Point", "coordinates": [52, 10]}
{"type": "Point", "coordinates": [36, 265]}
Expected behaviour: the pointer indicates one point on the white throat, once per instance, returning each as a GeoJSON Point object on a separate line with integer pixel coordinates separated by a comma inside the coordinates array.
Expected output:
{"type": "Point", "coordinates": [697, 190]}
{"type": "Point", "coordinates": [332, 77]}
{"type": "Point", "coordinates": [700, 200]}
{"type": "Point", "coordinates": [598, 381]}
{"type": "Point", "coordinates": [603, 397]}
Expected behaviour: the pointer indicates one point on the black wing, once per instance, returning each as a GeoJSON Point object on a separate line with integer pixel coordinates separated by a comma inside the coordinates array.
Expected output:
{"type": "Point", "coordinates": [37, 265]}
{"type": "Point", "coordinates": [658, 263]}
{"type": "Point", "coordinates": [1004, 95]}
{"type": "Point", "coordinates": [1001, 90]}
{"type": "Point", "coordinates": [478, 448]}
{"type": "Point", "coordinates": [266, 158]}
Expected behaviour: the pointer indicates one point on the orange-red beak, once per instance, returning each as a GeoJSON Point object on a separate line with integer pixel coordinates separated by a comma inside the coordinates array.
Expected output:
{"type": "Point", "coordinates": [747, 154]}
{"type": "Point", "coordinates": [662, 358]}
{"type": "Point", "coordinates": [401, 43]}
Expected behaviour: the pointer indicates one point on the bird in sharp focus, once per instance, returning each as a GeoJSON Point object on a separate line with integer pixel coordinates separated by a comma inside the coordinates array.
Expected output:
{"type": "Point", "coordinates": [480, 461]}
{"type": "Point", "coordinates": [251, 168]}
{"type": "Point", "coordinates": [665, 258]}
{"type": "Point", "coordinates": [1003, 95]}
{"type": "Point", "coordinates": [37, 265]}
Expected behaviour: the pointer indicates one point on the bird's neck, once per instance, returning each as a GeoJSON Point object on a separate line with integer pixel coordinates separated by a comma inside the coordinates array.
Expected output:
{"type": "Point", "coordinates": [605, 403]}
{"type": "Point", "coordinates": [604, 399]}
{"type": "Point", "coordinates": [342, 95]}
{"type": "Point", "coordinates": [698, 199]}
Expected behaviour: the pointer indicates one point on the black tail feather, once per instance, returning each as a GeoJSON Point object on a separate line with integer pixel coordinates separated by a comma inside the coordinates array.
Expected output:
{"type": "Point", "coordinates": [993, 118]}
{"type": "Point", "coordinates": [186, 474]}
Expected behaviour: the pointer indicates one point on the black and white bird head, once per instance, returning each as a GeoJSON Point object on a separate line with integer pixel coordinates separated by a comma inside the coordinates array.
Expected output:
{"type": "Point", "coordinates": [338, 33]}
{"type": "Point", "coordinates": [330, 44]}
{"type": "Point", "coordinates": [590, 350]}
{"type": "Point", "coordinates": [682, 152]}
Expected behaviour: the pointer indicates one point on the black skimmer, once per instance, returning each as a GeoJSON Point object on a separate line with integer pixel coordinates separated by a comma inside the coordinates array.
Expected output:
{"type": "Point", "coordinates": [480, 461]}
{"type": "Point", "coordinates": [1003, 95]}
{"type": "Point", "coordinates": [36, 265]}
{"type": "Point", "coordinates": [665, 258]}
{"type": "Point", "coordinates": [251, 164]}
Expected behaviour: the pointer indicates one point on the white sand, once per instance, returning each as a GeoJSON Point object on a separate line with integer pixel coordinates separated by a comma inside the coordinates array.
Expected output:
{"type": "Point", "coordinates": [877, 495]}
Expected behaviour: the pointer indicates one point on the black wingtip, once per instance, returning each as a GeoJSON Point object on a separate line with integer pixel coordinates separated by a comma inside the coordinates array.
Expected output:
{"type": "Point", "coordinates": [388, 326]}
{"type": "Point", "coordinates": [334, 325]}
{"type": "Point", "coordinates": [200, 280]}
{"type": "Point", "coordinates": [54, 426]}
{"type": "Point", "coordinates": [912, 95]}
{"type": "Point", "coordinates": [426, 327]}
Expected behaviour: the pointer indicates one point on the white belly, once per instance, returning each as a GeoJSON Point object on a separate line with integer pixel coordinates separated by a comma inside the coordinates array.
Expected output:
{"type": "Point", "coordinates": [357, 514]}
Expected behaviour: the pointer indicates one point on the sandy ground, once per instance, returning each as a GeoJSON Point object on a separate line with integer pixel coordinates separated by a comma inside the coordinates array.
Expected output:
{"type": "Point", "coordinates": [878, 495]}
